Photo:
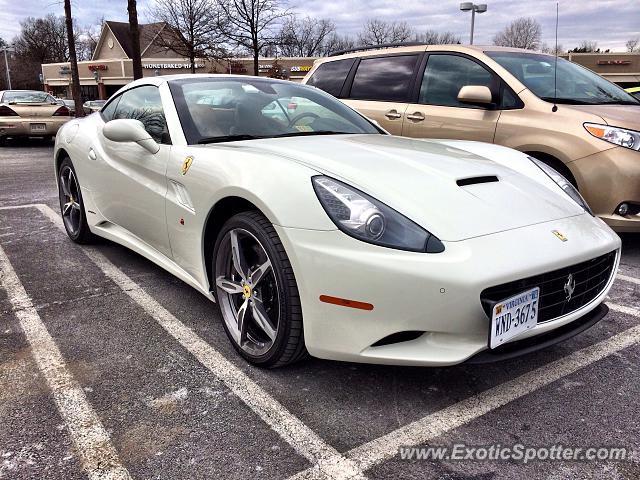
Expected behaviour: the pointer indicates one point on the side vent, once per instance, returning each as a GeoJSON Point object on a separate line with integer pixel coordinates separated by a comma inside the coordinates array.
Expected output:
{"type": "Point", "coordinates": [463, 182]}
{"type": "Point", "coordinates": [398, 337]}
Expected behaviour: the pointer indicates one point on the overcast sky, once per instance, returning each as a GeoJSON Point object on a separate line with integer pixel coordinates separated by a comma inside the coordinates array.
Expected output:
{"type": "Point", "coordinates": [609, 22]}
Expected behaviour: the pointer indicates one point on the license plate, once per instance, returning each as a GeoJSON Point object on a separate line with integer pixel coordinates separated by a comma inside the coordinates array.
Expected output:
{"type": "Point", "coordinates": [38, 127]}
{"type": "Point", "coordinates": [513, 316]}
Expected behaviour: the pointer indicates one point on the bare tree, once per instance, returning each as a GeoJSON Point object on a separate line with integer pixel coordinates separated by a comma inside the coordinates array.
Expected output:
{"type": "Point", "coordinates": [432, 37]}
{"type": "Point", "coordinates": [134, 30]}
{"type": "Point", "coordinates": [251, 24]}
{"type": "Point", "coordinates": [192, 29]}
{"type": "Point", "coordinates": [336, 43]}
{"type": "Point", "coordinates": [586, 46]}
{"type": "Point", "coordinates": [632, 44]}
{"type": "Point", "coordinates": [43, 40]}
{"type": "Point", "coordinates": [552, 49]}
{"type": "Point", "coordinates": [524, 32]}
{"type": "Point", "coordinates": [75, 79]}
{"type": "Point", "coordinates": [379, 32]}
{"type": "Point", "coordinates": [304, 37]}
{"type": "Point", "coordinates": [87, 39]}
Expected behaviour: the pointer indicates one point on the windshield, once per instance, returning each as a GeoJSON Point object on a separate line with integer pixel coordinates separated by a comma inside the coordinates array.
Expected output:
{"type": "Point", "coordinates": [575, 84]}
{"type": "Point", "coordinates": [220, 110]}
{"type": "Point", "coordinates": [27, 97]}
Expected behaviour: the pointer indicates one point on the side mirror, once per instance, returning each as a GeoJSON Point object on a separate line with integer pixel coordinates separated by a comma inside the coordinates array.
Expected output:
{"type": "Point", "coordinates": [129, 130]}
{"type": "Point", "coordinates": [476, 95]}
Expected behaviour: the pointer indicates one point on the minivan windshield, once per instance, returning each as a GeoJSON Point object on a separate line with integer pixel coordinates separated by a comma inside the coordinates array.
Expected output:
{"type": "Point", "coordinates": [574, 84]}
{"type": "Point", "coordinates": [219, 109]}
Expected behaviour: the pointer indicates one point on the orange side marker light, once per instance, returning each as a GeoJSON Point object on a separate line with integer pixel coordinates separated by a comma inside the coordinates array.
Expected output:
{"type": "Point", "coordinates": [343, 302]}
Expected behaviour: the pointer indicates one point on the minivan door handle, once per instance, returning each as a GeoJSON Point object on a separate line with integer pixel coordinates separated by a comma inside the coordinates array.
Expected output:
{"type": "Point", "coordinates": [416, 117]}
{"type": "Point", "coordinates": [393, 114]}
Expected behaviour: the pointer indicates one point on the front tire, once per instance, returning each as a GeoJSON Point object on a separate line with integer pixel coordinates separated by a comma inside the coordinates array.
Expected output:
{"type": "Point", "coordinates": [257, 292]}
{"type": "Point", "coordinates": [72, 208]}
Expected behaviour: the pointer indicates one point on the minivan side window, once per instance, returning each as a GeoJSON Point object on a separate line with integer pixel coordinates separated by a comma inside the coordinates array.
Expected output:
{"type": "Point", "coordinates": [144, 104]}
{"type": "Point", "coordinates": [330, 76]}
{"type": "Point", "coordinates": [445, 75]}
{"type": "Point", "coordinates": [384, 78]}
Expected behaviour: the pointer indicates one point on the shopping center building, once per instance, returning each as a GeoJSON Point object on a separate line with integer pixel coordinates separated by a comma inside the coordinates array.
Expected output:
{"type": "Point", "coordinates": [111, 67]}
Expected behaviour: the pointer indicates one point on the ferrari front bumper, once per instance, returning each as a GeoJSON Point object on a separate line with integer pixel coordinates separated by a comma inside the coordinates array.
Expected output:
{"type": "Point", "coordinates": [437, 294]}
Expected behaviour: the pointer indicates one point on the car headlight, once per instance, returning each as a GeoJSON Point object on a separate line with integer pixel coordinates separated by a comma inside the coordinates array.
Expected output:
{"type": "Point", "coordinates": [617, 136]}
{"type": "Point", "coordinates": [367, 219]}
{"type": "Point", "coordinates": [563, 183]}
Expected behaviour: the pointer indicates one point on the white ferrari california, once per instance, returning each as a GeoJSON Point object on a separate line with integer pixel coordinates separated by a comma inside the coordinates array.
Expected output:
{"type": "Point", "coordinates": [315, 231]}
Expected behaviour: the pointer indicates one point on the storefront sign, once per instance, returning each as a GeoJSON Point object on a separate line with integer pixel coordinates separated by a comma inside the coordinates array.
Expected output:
{"type": "Point", "coordinates": [65, 70]}
{"type": "Point", "coordinates": [171, 66]}
{"type": "Point", "coordinates": [95, 68]}
{"type": "Point", "coordinates": [300, 68]}
{"type": "Point", "coordinates": [614, 62]}
{"type": "Point", "coordinates": [265, 66]}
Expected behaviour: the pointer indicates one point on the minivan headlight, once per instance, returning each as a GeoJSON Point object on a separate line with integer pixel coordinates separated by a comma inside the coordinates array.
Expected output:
{"type": "Point", "coordinates": [367, 219]}
{"type": "Point", "coordinates": [563, 183]}
{"type": "Point", "coordinates": [616, 135]}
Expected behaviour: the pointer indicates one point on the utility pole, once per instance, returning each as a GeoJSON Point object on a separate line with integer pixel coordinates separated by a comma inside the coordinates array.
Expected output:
{"type": "Point", "coordinates": [73, 59]}
{"type": "Point", "coordinates": [135, 38]}
{"type": "Point", "coordinates": [6, 65]}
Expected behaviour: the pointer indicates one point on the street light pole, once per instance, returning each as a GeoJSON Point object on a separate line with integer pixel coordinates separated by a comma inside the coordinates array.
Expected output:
{"type": "Point", "coordinates": [6, 65]}
{"type": "Point", "coordinates": [481, 8]}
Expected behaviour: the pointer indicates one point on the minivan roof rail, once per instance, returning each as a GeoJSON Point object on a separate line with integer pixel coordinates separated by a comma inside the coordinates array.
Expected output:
{"type": "Point", "coordinates": [363, 48]}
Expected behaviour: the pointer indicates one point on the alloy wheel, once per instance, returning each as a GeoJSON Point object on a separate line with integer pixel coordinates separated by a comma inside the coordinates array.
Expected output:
{"type": "Point", "coordinates": [70, 200]}
{"type": "Point", "coordinates": [248, 292]}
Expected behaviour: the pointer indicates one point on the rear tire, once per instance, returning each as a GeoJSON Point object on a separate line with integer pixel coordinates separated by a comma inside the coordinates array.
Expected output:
{"type": "Point", "coordinates": [260, 307]}
{"type": "Point", "coordinates": [72, 209]}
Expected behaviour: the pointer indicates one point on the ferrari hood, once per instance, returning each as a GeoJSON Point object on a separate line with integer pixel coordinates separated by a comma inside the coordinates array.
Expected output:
{"type": "Point", "coordinates": [453, 193]}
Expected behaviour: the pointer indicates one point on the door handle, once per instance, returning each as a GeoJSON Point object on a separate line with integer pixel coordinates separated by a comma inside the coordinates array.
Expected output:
{"type": "Point", "coordinates": [393, 114]}
{"type": "Point", "coordinates": [416, 117]}
{"type": "Point", "coordinates": [92, 154]}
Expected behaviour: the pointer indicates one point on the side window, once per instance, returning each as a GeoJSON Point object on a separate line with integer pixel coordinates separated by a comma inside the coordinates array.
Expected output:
{"type": "Point", "coordinates": [445, 75]}
{"type": "Point", "coordinates": [384, 78]}
{"type": "Point", "coordinates": [330, 76]}
{"type": "Point", "coordinates": [144, 104]}
{"type": "Point", "coordinates": [509, 99]}
{"type": "Point", "coordinates": [110, 109]}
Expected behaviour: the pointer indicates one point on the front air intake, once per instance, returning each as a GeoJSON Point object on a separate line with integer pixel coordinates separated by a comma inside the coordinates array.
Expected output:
{"type": "Point", "coordinates": [463, 182]}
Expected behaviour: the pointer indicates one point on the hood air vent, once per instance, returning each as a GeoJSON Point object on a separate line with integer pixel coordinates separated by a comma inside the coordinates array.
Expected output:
{"type": "Point", "coordinates": [463, 182]}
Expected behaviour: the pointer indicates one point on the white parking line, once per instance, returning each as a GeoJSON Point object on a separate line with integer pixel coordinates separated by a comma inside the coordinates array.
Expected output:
{"type": "Point", "coordinates": [98, 457]}
{"type": "Point", "coordinates": [305, 441]}
{"type": "Point", "coordinates": [436, 424]}
{"type": "Point", "coordinates": [629, 279]}
{"type": "Point", "coordinates": [328, 463]}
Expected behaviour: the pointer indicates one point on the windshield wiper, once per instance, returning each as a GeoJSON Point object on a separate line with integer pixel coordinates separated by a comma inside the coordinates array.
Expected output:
{"type": "Point", "coordinates": [319, 132]}
{"type": "Point", "coordinates": [566, 101]}
{"type": "Point", "coordinates": [229, 138]}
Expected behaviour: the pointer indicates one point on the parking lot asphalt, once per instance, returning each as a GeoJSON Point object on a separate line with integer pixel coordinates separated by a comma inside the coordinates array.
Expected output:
{"type": "Point", "coordinates": [112, 368]}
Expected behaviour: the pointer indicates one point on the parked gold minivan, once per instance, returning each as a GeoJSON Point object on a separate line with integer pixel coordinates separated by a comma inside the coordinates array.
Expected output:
{"type": "Point", "coordinates": [584, 126]}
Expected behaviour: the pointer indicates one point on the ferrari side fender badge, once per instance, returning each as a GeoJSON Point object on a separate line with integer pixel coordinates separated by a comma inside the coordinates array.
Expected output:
{"type": "Point", "coordinates": [186, 165]}
{"type": "Point", "coordinates": [559, 235]}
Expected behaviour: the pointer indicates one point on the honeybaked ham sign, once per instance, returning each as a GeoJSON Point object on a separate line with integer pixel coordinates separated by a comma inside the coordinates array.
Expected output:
{"type": "Point", "coordinates": [171, 66]}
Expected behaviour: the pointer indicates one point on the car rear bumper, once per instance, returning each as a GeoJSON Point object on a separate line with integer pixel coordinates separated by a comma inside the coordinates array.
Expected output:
{"type": "Point", "coordinates": [24, 127]}
{"type": "Point", "coordinates": [606, 180]}
{"type": "Point", "coordinates": [436, 294]}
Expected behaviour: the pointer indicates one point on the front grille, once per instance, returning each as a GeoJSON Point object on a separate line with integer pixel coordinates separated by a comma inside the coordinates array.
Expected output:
{"type": "Point", "coordinates": [591, 278]}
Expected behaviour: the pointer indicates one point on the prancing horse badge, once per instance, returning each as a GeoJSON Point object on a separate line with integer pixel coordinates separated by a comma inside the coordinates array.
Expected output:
{"type": "Point", "coordinates": [186, 165]}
